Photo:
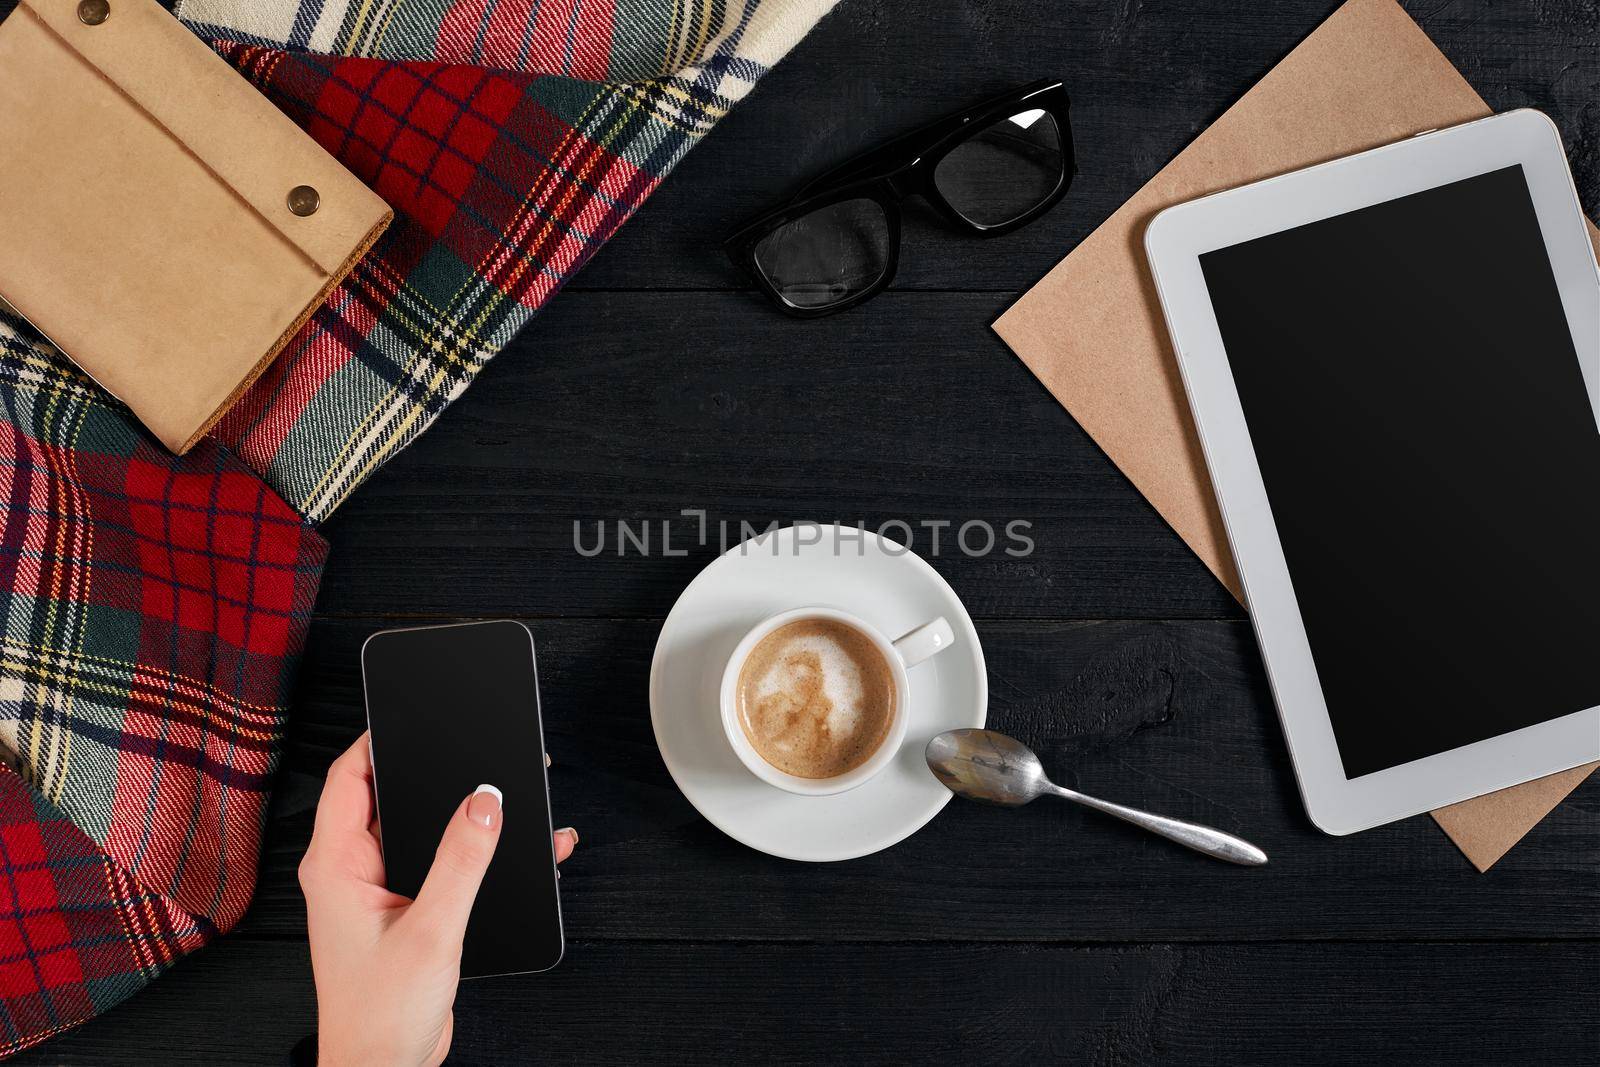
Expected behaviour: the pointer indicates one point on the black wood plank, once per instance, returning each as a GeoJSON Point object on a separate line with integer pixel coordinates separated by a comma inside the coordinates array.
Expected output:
{"type": "Point", "coordinates": [1144, 79]}
{"type": "Point", "coordinates": [247, 1002]}
{"type": "Point", "coordinates": [634, 406]}
{"type": "Point", "coordinates": [1171, 716]}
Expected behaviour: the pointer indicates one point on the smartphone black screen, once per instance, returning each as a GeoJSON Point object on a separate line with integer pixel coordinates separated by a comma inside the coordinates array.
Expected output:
{"type": "Point", "coordinates": [1428, 447]}
{"type": "Point", "coordinates": [451, 708]}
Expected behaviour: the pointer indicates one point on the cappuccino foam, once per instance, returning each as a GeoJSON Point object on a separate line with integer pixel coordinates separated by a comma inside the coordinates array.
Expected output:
{"type": "Point", "coordinates": [816, 698]}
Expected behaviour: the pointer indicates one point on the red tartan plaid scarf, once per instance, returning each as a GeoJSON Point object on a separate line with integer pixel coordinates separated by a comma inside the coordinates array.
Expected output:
{"type": "Point", "coordinates": [153, 608]}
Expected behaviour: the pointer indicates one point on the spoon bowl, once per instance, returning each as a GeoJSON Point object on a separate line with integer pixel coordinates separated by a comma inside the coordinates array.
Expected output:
{"type": "Point", "coordinates": [987, 766]}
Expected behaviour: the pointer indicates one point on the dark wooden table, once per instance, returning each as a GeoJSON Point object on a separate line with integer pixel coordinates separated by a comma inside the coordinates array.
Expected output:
{"type": "Point", "coordinates": [658, 383]}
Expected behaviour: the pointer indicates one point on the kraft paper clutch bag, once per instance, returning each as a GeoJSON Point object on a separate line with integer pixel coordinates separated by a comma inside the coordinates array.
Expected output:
{"type": "Point", "coordinates": [161, 222]}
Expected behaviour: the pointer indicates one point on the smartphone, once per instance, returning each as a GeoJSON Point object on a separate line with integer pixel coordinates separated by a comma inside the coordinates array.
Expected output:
{"type": "Point", "coordinates": [451, 708]}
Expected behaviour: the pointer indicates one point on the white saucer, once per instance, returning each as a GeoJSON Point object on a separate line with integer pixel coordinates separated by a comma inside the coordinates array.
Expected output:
{"type": "Point", "coordinates": [878, 580]}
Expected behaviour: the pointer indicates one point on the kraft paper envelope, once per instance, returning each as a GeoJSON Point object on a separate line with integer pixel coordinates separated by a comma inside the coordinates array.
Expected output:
{"type": "Point", "coordinates": [1092, 328]}
{"type": "Point", "coordinates": [164, 225]}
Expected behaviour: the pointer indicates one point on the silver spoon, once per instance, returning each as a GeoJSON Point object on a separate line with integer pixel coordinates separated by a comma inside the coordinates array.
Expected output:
{"type": "Point", "coordinates": [991, 767]}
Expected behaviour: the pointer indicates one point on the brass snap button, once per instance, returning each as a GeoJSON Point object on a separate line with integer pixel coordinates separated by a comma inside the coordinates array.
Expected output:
{"type": "Point", "coordinates": [93, 12]}
{"type": "Point", "coordinates": [304, 200]}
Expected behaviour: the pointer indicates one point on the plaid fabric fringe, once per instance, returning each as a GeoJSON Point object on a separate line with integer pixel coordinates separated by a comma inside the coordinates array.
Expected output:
{"type": "Point", "coordinates": [597, 40]}
{"type": "Point", "coordinates": [152, 607]}
{"type": "Point", "coordinates": [504, 182]}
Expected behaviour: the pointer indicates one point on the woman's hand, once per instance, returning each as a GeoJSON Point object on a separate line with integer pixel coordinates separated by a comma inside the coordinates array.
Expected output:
{"type": "Point", "coordinates": [386, 968]}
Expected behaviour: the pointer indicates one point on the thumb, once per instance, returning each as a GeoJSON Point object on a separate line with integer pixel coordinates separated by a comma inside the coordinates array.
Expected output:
{"type": "Point", "coordinates": [445, 900]}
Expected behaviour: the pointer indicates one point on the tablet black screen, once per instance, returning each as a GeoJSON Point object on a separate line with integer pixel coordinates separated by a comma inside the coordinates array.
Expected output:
{"type": "Point", "coordinates": [1432, 462]}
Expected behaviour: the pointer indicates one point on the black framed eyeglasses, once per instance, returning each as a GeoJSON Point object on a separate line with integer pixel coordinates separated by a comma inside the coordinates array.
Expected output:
{"type": "Point", "coordinates": [988, 170]}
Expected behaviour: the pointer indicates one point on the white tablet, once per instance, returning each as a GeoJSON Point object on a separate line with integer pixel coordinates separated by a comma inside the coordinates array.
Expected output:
{"type": "Point", "coordinates": [1393, 360]}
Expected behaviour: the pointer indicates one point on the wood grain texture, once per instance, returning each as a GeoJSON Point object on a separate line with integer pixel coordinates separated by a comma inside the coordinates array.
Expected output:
{"type": "Point", "coordinates": [1040, 934]}
{"type": "Point", "coordinates": [633, 406]}
{"type": "Point", "coordinates": [823, 1002]}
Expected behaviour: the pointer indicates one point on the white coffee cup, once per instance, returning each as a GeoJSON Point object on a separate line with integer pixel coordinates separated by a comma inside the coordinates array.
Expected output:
{"type": "Point", "coordinates": [910, 650]}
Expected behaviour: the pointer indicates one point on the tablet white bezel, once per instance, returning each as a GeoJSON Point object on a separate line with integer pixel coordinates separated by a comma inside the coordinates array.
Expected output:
{"type": "Point", "coordinates": [1174, 241]}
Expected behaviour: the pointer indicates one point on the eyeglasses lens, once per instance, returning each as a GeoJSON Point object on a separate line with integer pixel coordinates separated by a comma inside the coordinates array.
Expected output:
{"type": "Point", "coordinates": [827, 255]}
{"type": "Point", "coordinates": [1004, 170]}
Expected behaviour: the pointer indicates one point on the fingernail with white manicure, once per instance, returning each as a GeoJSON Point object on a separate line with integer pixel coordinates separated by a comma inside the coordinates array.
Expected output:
{"type": "Point", "coordinates": [483, 807]}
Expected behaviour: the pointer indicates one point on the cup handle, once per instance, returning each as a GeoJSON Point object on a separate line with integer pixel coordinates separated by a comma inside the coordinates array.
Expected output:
{"type": "Point", "coordinates": [925, 641]}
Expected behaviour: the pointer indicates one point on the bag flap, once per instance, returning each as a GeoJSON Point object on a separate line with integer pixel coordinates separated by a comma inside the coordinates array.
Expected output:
{"type": "Point", "coordinates": [249, 145]}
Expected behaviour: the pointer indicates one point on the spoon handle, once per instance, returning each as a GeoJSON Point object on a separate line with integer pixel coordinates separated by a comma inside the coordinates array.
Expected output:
{"type": "Point", "coordinates": [1213, 843]}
